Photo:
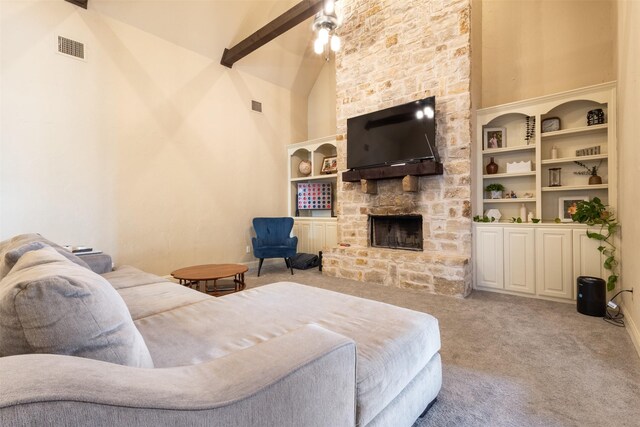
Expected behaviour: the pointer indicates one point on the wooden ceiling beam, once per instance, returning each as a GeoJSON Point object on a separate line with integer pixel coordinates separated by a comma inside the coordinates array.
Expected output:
{"type": "Point", "coordinates": [283, 23]}
{"type": "Point", "coordinates": [81, 3]}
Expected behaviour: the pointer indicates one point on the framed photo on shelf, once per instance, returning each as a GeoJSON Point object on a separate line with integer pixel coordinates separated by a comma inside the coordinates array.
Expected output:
{"type": "Point", "coordinates": [495, 138]}
{"type": "Point", "coordinates": [567, 207]}
{"type": "Point", "coordinates": [330, 164]}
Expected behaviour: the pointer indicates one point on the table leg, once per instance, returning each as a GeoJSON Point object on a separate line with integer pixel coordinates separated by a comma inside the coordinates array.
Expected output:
{"type": "Point", "coordinates": [239, 282]}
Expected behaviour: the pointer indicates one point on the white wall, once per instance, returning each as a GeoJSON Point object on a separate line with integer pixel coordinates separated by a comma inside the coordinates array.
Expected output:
{"type": "Point", "coordinates": [322, 103]}
{"type": "Point", "coordinates": [148, 151]}
{"type": "Point", "coordinates": [534, 48]}
{"type": "Point", "coordinates": [628, 131]}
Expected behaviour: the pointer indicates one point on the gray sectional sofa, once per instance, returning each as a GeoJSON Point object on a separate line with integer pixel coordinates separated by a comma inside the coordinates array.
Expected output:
{"type": "Point", "coordinates": [130, 348]}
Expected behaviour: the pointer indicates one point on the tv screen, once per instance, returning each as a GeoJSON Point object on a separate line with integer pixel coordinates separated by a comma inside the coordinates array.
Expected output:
{"type": "Point", "coordinates": [400, 134]}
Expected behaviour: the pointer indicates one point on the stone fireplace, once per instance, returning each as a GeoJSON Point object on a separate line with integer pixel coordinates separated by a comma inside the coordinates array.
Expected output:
{"type": "Point", "coordinates": [396, 232]}
{"type": "Point", "coordinates": [395, 52]}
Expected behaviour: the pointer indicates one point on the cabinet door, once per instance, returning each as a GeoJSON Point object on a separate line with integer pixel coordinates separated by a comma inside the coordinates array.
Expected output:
{"type": "Point", "coordinates": [587, 260]}
{"type": "Point", "coordinates": [519, 260]}
{"type": "Point", "coordinates": [331, 235]}
{"type": "Point", "coordinates": [489, 257]}
{"type": "Point", "coordinates": [319, 239]}
{"type": "Point", "coordinates": [324, 235]}
{"type": "Point", "coordinates": [303, 231]}
{"type": "Point", "coordinates": [554, 263]}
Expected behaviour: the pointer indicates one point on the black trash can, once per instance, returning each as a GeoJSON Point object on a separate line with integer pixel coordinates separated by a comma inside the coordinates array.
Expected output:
{"type": "Point", "coordinates": [592, 296]}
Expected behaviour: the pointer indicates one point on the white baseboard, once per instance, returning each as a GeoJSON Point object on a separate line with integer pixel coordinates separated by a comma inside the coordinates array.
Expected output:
{"type": "Point", "coordinates": [633, 330]}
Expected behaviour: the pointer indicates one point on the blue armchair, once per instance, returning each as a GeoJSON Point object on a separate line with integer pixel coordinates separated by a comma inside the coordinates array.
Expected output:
{"type": "Point", "coordinates": [272, 240]}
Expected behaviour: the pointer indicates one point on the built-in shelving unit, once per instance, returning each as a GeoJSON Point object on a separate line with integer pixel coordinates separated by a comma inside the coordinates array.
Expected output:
{"type": "Point", "coordinates": [520, 200]}
{"type": "Point", "coordinates": [573, 159]}
{"type": "Point", "coordinates": [577, 187]}
{"type": "Point", "coordinates": [575, 131]}
{"type": "Point", "coordinates": [316, 229]}
{"type": "Point", "coordinates": [494, 151]}
{"type": "Point", "coordinates": [543, 260]}
{"type": "Point", "coordinates": [574, 134]}
{"type": "Point", "coordinates": [314, 178]}
{"type": "Point", "coordinates": [509, 175]}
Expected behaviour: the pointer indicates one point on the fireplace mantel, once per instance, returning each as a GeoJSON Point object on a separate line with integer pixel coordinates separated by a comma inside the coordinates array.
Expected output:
{"type": "Point", "coordinates": [424, 168]}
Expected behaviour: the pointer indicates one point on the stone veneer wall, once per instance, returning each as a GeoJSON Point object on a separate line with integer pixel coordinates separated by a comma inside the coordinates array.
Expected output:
{"type": "Point", "coordinates": [397, 51]}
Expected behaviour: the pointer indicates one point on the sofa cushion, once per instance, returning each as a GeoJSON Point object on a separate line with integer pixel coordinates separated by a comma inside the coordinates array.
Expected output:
{"type": "Point", "coordinates": [51, 305]}
{"type": "Point", "coordinates": [127, 276]}
{"type": "Point", "coordinates": [27, 242]}
{"type": "Point", "coordinates": [146, 294]}
{"type": "Point", "coordinates": [393, 343]}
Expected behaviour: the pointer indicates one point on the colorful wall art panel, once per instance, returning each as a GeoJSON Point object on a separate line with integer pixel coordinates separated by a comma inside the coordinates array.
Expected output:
{"type": "Point", "coordinates": [314, 196]}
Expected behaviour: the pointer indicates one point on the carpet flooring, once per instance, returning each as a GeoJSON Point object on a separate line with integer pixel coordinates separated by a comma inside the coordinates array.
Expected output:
{"type": "Point", "coordinates": [512, 361]}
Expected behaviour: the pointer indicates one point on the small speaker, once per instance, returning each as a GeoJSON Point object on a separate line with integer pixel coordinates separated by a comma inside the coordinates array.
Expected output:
{"type": "Point", "coordinates": [256, 106]}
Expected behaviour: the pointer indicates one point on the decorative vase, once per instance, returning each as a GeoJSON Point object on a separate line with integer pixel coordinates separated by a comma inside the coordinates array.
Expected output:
{"type": "Point", "coordinates": [492, 167]}
{"type": "Point", "coordinates": [496, 194]}
{"type": "Point", "coordinates": [595, 180]}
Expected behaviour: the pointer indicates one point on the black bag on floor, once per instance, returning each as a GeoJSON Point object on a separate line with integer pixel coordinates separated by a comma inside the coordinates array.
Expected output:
{"type": "Point", "coordinates": [305, 261]}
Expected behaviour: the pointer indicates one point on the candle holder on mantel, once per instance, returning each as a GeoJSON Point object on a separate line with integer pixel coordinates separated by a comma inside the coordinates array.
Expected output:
{"type": "Point", "coordinates": [555, 177]}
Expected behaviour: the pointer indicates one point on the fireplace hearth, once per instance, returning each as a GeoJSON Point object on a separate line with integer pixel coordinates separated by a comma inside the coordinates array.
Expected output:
{"type": "Point", "coordinates": [396, 232]}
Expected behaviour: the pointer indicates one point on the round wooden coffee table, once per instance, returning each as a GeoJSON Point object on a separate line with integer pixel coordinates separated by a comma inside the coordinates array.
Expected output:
{"type": "Point", "coordinates": [201, 275]}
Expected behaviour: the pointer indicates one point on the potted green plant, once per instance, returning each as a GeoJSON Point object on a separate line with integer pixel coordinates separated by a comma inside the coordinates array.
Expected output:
{"type": "Point", "coordinates": [594, 213]}
{"type": "Point", "coordinates": [495, 190]}
{"type": "Point", "coordinates": [591, 171]}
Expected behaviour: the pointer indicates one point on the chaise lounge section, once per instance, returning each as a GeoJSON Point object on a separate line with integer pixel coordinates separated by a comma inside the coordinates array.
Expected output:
{"type": "Point", "coordinates": [282, 354]}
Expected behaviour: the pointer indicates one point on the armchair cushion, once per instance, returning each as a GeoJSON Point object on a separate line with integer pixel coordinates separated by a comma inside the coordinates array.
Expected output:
{"type": "Point", "coordinates": [50, 305]}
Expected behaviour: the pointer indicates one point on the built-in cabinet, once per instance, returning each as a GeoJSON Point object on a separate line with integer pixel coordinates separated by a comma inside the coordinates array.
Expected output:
{"type": "Point", "coordinates": [542, 259]}
{"type": "Point", "coordinates": [554, 263]}
{"type": "Point", "coordinates": [489, 257]}
{"type": "Point", "coordinates": [519, 257]}
{"type": "Point", "coordinates": [316, 229]}
{"type": "Point", "coordinates": [534, 260]}
{"type": "Point", "coordinates": [315, 234]}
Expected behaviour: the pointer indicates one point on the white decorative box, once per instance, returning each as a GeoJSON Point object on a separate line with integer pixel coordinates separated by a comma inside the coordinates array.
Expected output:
{"type": "Point", "coordinates": [516, 167]}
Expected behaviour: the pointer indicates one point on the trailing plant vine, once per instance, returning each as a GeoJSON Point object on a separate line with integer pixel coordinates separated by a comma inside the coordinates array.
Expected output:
{"type": "Point", "coordinates": [594, 213]}
{"type": "Point", "coordinates": [484, 218]}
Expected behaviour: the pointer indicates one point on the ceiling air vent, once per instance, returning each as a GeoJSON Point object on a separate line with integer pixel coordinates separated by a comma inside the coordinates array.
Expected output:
{"type": "Point", "coordinates": [70, 47]}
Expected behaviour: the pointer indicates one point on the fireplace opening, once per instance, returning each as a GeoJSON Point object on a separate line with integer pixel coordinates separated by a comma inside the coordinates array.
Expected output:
{"type": "Point", "coordinates": [396, 232]}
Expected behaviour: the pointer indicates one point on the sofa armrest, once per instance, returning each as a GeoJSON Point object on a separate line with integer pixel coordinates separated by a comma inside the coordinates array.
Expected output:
{"type": "Point", "coordinates": [303, 378]}
{"type": "Point", "coordinates": [99, 263]}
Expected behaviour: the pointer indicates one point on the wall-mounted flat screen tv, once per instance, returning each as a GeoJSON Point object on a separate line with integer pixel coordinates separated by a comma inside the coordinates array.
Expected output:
{"type": "Point", "coordinates": [400, 134]}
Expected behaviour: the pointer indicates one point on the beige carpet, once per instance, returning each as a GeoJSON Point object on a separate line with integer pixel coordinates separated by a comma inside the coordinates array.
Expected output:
{"type": "Point", "coordinates": [512, 361]}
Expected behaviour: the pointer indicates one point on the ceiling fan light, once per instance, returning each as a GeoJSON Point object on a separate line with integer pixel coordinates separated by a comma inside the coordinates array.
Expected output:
{"type": "Point", "coordinates": [329, 6]}
{"type": "Point", "coordinates": [318, 46]}
{"type": "Point", "coordinates": [323, 35]}
{"type": "Point", "coordinates": [335, 43]}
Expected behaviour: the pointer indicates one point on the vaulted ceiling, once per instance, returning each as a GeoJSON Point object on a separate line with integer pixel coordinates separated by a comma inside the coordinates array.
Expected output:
{"type": "Point", "coordinates": [209, 26]}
